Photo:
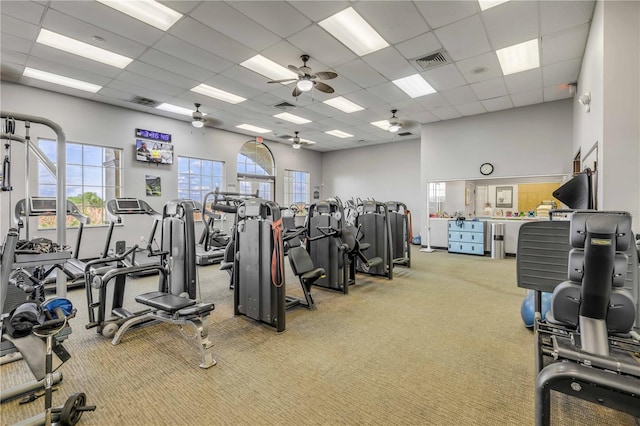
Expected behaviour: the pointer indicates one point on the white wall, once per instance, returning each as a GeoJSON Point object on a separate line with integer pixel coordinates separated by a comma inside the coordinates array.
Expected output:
{"type": "Point", "coordinates": [386, 172]}
{"type": "Point", "coordinates": [86, 121]}
{"type": "Point", "coordinates": [611, 72]}
{"type": "Point", "coordinates": [528, 141]}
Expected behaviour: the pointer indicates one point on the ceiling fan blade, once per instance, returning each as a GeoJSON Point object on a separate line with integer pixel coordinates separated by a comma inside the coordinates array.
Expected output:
{"type": "Point", "coordinates": [296, 92]}
{"type": "Point", "coordinates": [409, 124]}
{"type": "Point", "coordinates": [282, 81]}
{"type": "Point", "coordinates": [326, 75]}
{"type": "Point", "coordinates": [295, 69]}
{"type": "Point", "coordinates": [307, 142]}
{"type": "Point", "coordinates": [323, 87]}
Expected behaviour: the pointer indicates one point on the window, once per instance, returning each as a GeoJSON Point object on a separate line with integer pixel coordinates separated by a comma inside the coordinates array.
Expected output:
{"type": "Point", "coordinates": [94, 175]}
{"type": "Point", "coordinates": [297, 186]}
{"type": "Point", "coordinates": [256, 170]}
{"type": "Point", "coordinates": [198, 176]}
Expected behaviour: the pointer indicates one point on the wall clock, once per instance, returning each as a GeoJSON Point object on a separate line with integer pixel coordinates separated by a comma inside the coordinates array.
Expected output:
{"type": "Point", "coordinates": [486, 168]}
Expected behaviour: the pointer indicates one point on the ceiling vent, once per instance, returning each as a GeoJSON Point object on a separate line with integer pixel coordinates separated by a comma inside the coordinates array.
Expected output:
{"type": "Point", "coordinates": [405, 134]}
{"type": "Point", "coordinates": [144, 101]}
{"type": "Point", "coordinates": [285, 106]}
{"type": "Point", "coordinates": [433, 60]}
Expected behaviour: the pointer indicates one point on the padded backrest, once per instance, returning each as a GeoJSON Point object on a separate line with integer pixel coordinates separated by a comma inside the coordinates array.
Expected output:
{"type": "Point", "coordinates": [621, 226]}
{"type": "Point", "coordinates": [348, 238]}
{"type": "Point", "coordinates": [576, 267]}
{"type": "Point", "coordinates": [300, 260]}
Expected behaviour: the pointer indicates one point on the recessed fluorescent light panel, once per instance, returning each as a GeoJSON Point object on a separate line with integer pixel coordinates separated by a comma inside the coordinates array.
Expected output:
{"type": "Point", "coordinates": [488, 4]}
{"type": "Point", "coordinates": [149, 11]}
{"type": "Point", "coordinates": [61, 80]}
{"type": "Point", "coordinates": [519, 57]}
{"type": "Point", "coordinates": [414, 86]}
{"type": "Point", "coordinates": [76, 47]}
{"type": "Point", "coordinates": [251, 128]}
{"type": "Point", "coordinates": [219, 94]}
{"type": "Point", "coordinates": [383, 124]}
{"type": "Point", "coordinates": [176, 109]}
{"type": "Point", "coordinates": [339, 134]}
{"type": "Point", "coordinates": [268, 68]}
{"type": "Point", "coordinates": [343, 104]}
{"type": "Point", "coordinates": [354, 32]}
{"type": "Point", "coordinates": [292, 118]}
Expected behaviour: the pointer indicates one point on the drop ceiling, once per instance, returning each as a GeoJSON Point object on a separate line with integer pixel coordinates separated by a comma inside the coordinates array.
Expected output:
{"type": "Point", "coordinates": [208, 44]}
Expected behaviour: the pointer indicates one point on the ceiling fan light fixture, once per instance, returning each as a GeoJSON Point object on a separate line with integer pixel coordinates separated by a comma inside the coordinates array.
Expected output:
{"type": "Point", "coordinates": [197, 117]}
{"type": "Point", "coordinates": [394, 127]}
{"type": "Point", "coordinates": [305, 85]}
{"type": "Point", "coordinates": [296, 146]}
{"type": "Point", "coordinates": [197, 123]}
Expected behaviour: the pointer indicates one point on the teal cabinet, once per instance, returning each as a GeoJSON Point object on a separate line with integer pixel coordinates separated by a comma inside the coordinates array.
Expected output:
{"type": "Point", "coordinates": [466, 237]}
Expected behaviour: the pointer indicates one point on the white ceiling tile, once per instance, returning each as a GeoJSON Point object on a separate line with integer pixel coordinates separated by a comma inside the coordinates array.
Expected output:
{"type": "Point", "coordinates": [12, 71]}
{"type": "Point", "coordinates": [175, 65]}
{"type": "Point", "coordinates": [497, 104]}
{"type": "Point", "coordinates": [15, 44]}
{"type": "Point", "coordinates": [319, 10]}
{"type": "Point", "coordinates": [440, 13]}
{"type": "Point", "coordinates": [116, 94]}
{"type": "Point", "coordinates": [490, 88]}
{"type": "Point", "coordinates": [192, 54]}
{"type": "Point", "coordinates": [66, 70]}
{"type": "Point", "coordinates": [284, 53]}
{"type": "Point", "coordinates": [361, 73]}
{"type": "Point", "coordinates": [561, 73]}
{"type": "Point", "coordinates": [480, 68]}
{"type": "Point", "coordinates": [237, 87]}
{"type": "Point", "coordinates": [390, 63]}
{"type": "Point", "coordinates": [394, 21]}
{"type": "Point", "coordinates": [107, 18]}
{"type": "Point", "coordinates": [278, 16]}
{"type": "Point", "coordinates": [13, 57]}
{"type": "Point", "coordinates": [446, 113]}
{"type": "Point", "coordinates": [512, 23]}
{"type": "Point", "coordinates": [366, 99]}
{"type": "Point", "coordinates": [555, 93]}
{"type": "Point", "coordinates": [75, 61]}
{"type": "Point", "coordinates": [182, 6]}
{"type": "Point", "coordinates": [529, 97]}
{"type": "Point", "coordinates": [149, 83]}
{"type": "Point", "coordinates": [269, 99]}
{"type": "Point", "coordinates": [460, 95]}
{"type": "Point", "coordinates": [18, 28]}
{"type": "Point", "coordinates": [200, 35]}
{"type": "Point", "coordinates": [139, 91]}
{"type": "Point", "coordinates": [150, 71]}
{"type": "Point", "coordinates": [24, 10]}
{"type": "Point", "coordinates": [389, 92]}
{"type": "Point", "coordinates": [319, 44]}
{"type": "Point", "coordinates": [558, 15]}
{"type": "Point", "coordinates": [342, 85]}
{"type": "Point", "coordinates": [74, 28]}
{"type": "Point", "coordinates": [323, 109]}
{"type": "Point", "coordinates": [524, 81]}
{"type": "Point", "coordinates": [420, 46]}
{"type": "Point", "coordinates": [564, 45]}
{"type": "Point", "coordinates": [407, 108]}
{"type": "Point", "coordinates": [471, 108]}
{"type": "Point", "coordinates": [464, 39]}
{"type": "Point", "coordinates": [237, 26]}
{"type": "Point", "coordinates": [444, 77]}
{"type": "Point", "coordinates": [433, 101]}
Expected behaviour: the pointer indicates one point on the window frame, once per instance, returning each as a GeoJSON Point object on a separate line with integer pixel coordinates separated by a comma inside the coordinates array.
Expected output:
{"type": "Point", "coordinates": [290, 183]}
{"type": "Point", "coordinates": [190, 174]}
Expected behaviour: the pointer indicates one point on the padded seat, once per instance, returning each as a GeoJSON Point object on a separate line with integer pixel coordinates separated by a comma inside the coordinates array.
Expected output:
{"type": "Point", "coordinates": [164, 301]}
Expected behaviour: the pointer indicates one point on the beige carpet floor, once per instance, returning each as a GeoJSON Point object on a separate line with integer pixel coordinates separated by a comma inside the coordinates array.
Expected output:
{"type": "Point", "coordinates": [440, 344]}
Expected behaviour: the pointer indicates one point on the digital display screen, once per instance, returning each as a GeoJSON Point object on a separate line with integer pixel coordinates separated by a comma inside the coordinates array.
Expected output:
{"type": "Point", "coordinates": [156, 136]}
{"type": "Point", "coordinates": [128, 204]}
{"type": "Point", "coordinates": [43, 204]}
{"type": "Point", "coordinates": [154, 152]}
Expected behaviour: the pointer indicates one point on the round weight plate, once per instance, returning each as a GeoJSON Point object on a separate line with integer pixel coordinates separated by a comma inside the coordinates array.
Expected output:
{"type": "Point", "coordinates": [70, 413]}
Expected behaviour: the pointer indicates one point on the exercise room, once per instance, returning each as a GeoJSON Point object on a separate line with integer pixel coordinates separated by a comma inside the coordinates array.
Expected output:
{"type": "Point", "coordinates": [320, 212]}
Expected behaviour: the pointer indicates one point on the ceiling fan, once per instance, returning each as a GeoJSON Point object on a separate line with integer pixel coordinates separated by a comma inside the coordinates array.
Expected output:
{"type": "Point", "coordinates": [298, 142]}
{"type": "Point", "coordinates": [307, 79]}
{"type": "Point", "coordinates": [198, 119]}
{"type": "Point", "coordinates": [396, 124]}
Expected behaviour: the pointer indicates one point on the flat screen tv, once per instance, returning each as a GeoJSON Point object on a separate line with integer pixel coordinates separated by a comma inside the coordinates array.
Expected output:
{"type": "Point", "coordinates": [154, 152]}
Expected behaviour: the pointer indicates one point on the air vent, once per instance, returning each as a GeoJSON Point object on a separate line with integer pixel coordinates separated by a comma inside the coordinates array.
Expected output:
{"type": "Point", "coordinates": [405, 134]}
{"type": "Point", "coordinates": [144, 101]}
{"type": "Point", "coordinates": [433, 60]}
{"type": "Point", "coordinates": [285, 106]}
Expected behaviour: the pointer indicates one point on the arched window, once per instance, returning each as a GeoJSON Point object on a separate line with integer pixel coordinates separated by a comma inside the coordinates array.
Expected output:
{"type": "Point", "coordinates": [256, 170]}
